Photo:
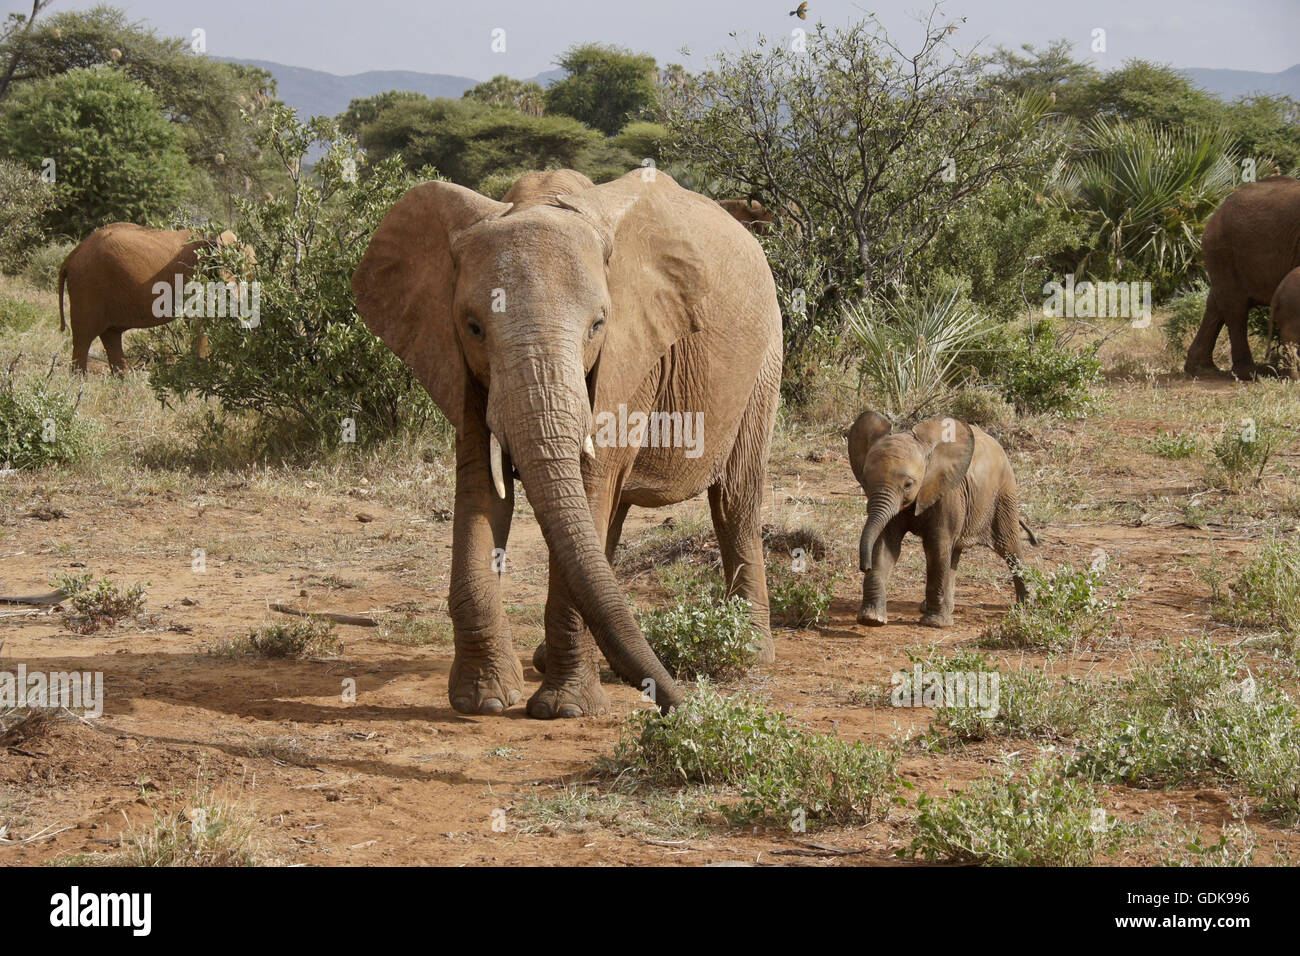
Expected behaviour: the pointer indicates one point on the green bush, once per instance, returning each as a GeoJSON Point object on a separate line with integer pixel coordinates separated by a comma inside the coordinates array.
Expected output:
{"type": "Point", "coordinates": [1267, 592]}
{"type": "Point", "coordinates": [782, 773]}
{"type": "Point", "coordinates": [98, 604]}
{"type": "Point", "coordinates": [1174, 446]}
{"type": "Point", "coordinates": [1036, 373]}
{"type": "Point", "coordinates": [1066, 609]}
{"type": "Point", "coordinates": [1242, 453]}
{"type": "Point", "coordinates": [1032, 818]}
{"type": "Point", "coordinates": [117, 156]}
{"type": "Point", "coordinates": [38, 425]}
{"type": "Point", "coordinates": [704, 636]}
{"type": "Point", "coordinates": [44, 262]}
{"type": "Point", "coordinates": [799, 598]}
{"type": "Point", "coordinates": [1186, 309]}
{"type": "Point", "coordinates": [310, 363]}
{"type": "Point", "coordinates": [24, 200]}
{"type": "Point", "coordinates": [306, 638]}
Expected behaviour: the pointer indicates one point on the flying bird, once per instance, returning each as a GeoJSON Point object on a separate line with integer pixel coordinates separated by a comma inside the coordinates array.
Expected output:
{"type": "Point", "coordinates": [800, 11]}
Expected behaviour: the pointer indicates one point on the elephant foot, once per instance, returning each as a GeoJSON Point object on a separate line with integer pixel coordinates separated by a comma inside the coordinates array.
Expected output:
{"type": "Point", "coordinates": [486, 682]}
{"type": "Point", "coordinates": [764, 650]}
{"type": "Point", "coordinates": [872, 616]}
{"type": "Point", "coordinates": [1247, 373]}
{"type": "Point", "coordinates": [1197, 367]}
{"type": "Point", "coordinates": [577, 697]}
{"type": "Point", "coordinates": [932, 619]}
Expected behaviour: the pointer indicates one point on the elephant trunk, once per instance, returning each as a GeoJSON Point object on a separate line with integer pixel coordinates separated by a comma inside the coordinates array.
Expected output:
{"type": "Point", "coordinates": [882, 506]}
{"type": "Point", "coordinates": [546, 429]}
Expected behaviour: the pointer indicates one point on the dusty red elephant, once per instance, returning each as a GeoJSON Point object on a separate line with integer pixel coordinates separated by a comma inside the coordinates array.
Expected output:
{"type": "Point", "coordinates": [110, 278]}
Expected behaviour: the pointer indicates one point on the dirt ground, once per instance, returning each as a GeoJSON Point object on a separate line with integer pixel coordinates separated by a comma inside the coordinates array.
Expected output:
{"type": "Point", "coordinates": [398, 777]}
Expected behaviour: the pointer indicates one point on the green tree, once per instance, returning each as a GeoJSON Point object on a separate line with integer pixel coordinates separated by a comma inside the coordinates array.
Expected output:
{"type": "Point", "coordinates": [206, 99]}
{"type": "Point", "coordinates": [864, 151]}
{"type": "Point", "coordinates": [470, 142]}
{"type": "Point", "coordinates": [116, 156]}
{"type": "Point", "coordinates": [504, 90]}
{"type": "Point", "coordinates": [606, 87]}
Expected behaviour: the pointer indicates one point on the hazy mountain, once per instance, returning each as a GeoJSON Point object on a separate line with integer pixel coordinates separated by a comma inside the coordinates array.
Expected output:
{"type": "Point", "coordinates": [315, 92]}
{"type": "Point", "coordinates": [1230, 84]}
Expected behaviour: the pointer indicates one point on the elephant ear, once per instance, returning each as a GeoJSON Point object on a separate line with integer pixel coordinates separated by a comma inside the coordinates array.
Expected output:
{"type": "Point", "coordinates": [949, 446]}
{"type": "Point", "coordinates": [869, 428]}
{"type": "Point", "coordinates": [405, 284]}
{"type": "Point", "coordinates": [656, 267]}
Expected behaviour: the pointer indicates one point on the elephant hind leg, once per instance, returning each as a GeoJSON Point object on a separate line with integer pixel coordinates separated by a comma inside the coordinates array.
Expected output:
{"type": "Point", "coordinates": [112, 339]}
{"type": "Point", "coordinates": [81, 340]}
{"type": "Point", "coordinates": [1006, 541]}
{"type": "Point", "coordinates": [1222, 308]}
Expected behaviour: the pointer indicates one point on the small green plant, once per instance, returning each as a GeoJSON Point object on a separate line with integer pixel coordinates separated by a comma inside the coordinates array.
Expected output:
{"type": "Point", "coordinates": [38, 425]}
{"type": "Point", "coordinates": [799, 598]}
{"type": "Point", "coordinates": [1174, 446]}
{"type": "Point", "coordinates": [98, 604]}
{"type": "Point", "coordinates": [707, 636]}
{"type": "Point", "coordinates": [1267, 592]}
{"type": "Point", "coordinates": [781, 772]}
{"type": "Point", "coordinates": [310, 637]}
{"type": "Point", "coordinates": [1067, 608]}
{"type": "Point", "coordinates": [1186, 309]}
{"type": "Point", "coordinates": [42, 269]}
{"type": "Point", "coordinates": [1242, 453]}
{"type": "Point", "coordinates": [1038, 374]}
{"type": "Point", "coordinates": [1036, 817]}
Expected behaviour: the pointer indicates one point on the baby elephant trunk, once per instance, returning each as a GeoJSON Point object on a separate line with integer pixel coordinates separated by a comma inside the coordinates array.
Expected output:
{"type": "Point", "coordinates": [881, 508]}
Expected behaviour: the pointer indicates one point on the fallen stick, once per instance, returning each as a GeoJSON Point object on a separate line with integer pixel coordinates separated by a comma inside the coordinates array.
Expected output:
{"type": "Point", "coordinates": [41, 600]}
{"type": "Point", "coordinates": [327, 615]}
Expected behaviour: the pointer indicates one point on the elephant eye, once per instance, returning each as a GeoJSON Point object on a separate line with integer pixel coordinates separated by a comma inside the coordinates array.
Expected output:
{"type": "Point", "coordinates": [475, 329]}
{"type": "Point", "coordinates": [595, 328]}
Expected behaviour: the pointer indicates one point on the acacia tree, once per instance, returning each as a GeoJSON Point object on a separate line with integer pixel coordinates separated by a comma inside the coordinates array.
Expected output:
{"type": "Point", "coordinates": [863, 150]}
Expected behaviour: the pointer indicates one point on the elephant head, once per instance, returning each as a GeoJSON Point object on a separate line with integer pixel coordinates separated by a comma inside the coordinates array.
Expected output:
{"type": "Point", "coordinates": [910, 469]}
{"type": "Point", "coordinates": [523, 321]}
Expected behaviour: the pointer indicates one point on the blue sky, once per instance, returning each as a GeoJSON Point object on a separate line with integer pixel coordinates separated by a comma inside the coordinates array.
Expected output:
{"type": "Point", "coordinates": [437, 36]}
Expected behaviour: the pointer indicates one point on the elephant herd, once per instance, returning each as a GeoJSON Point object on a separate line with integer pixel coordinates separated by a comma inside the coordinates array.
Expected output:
{"type": "Point", "coordinates": [533, 319]}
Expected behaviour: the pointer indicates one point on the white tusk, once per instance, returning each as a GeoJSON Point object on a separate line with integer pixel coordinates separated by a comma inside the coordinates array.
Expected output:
{"type": "Point", "coordinates": [498, 478]}
{"type": "Point", "coordinates": [589, 447]}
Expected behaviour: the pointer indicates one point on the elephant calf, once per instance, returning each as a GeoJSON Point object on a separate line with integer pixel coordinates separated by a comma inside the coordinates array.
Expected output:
{"type": "Point", "coordinates": [1284, 315]}
{"type": "Point", "coordinates": [945, 481]}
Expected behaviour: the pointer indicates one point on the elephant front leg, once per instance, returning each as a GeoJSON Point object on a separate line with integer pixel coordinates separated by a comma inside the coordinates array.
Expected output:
{"type": "Point", "coordinates": [736, 507]}
{"type": "Point", "coordinates": [940, 562]}
{"type": "Point", "coordinates": [485, 676]}
{"type": "Point", "coordinates": [571, 683]}
{"type": "Point", "coordinates": [875, 582]}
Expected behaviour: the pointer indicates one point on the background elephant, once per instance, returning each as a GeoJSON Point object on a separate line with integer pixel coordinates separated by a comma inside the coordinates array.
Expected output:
{"type": "Point", "coordinates": [1284, 315]}
{"type": "Point", "coordinates": [945, 481]}
{"type": "Point", "coordinates": [110, 278]}
{"type": "Point", "coordinates": [533, 322]}
{"type": "Point", "coordinates": [750, 214]}
{"type": "Point", "coordinates": [1251, 242]}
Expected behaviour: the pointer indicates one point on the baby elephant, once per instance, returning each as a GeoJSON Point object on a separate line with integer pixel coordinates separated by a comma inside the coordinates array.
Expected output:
{"type": "Point", "coordinates": [1284, 315]}
{"type": "Point", "coordinates": [946, 482]}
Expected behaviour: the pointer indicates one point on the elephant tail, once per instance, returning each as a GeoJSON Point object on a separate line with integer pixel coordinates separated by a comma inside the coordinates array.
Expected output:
{"type": "Point", "coordinates": [1033, 539]}
{"type": "Point", "coordinates": [63, 279]}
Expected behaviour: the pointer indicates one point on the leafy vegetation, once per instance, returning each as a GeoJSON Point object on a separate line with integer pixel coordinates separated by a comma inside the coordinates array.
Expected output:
{"type": "Point", "coordinates": [38, 423]}
{"type": "Point", "coordinates": [1067, 608]}
{"type": "Point", "coordinates": [94, 605]}
{"type": "Point", "coordinates": [306, 638]}
{"type": "Point", "coordinates": [705, 636]}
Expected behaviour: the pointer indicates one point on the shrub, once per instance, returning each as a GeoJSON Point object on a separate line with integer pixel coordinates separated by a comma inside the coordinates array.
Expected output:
{"type": "Point", "coordinates": [42, 269]}
{"type": "Point", "coordinates": [310, 362]}
{"type": "Point", "coordinates": [1242, 454]}
{"type": "Point", "coordinates": [980, 405]}
{"type": "Point", "coordinates": [1267, 592]}
{"type": "Point", "coordinates": [911, 346]}
{"type": "Point", "coordinates": [1038, 818]}
{"type": "Point", "coordinates": [781, 772]}
{"type": "Point", "coordinates": [24, 199]}
{"type": "Point", "coordinates": [306, 638]}
{"type": "Point", "coordinates": [1186, 309]}
{"type": "Point", "coordinates": [705, 636]}
{"type": "Point", "coordinates": [38, 425]}
{"type": "Point", "coordinates": [1036, 373]}
{"type": "Point", "coordinates": [98, 604]}
{"type": "Point", "coordinates": [1066, 609]}
{"type": "Point", "coordinates": [799, 598]}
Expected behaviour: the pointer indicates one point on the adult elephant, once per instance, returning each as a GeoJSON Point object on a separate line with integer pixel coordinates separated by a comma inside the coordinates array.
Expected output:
{"type": "Point", "coordinates": [750, 214]}
{"type": "Point", "coordinates": [110, 279]}
{"type": "Point", "coordinates": [1250, 243]}
{"type": "Point", "coordinates": [537, 323]}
